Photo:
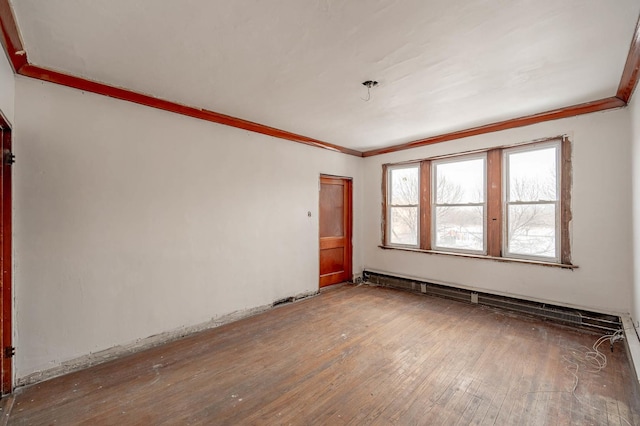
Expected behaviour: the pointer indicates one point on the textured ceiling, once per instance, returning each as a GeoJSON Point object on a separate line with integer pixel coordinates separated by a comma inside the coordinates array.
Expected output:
{"type": "Point", "coordinates": [443, 65]}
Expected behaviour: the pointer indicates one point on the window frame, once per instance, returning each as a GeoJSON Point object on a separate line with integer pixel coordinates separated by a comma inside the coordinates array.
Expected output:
{"type": "Point", "coordinates": [434, 204]}
{"type": "Point", "coordinates": [557, 203]}
{"type": "Point", "coordinates": [494, 212]}
{"type": "Point", "coordinates": [389, 205]}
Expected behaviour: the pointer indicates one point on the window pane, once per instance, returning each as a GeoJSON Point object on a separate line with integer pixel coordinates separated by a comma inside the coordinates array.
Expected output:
{"type": "Point", "coordinates": [404, 225]}
{"type": "Point", "coordinates": [460, 182]}
{"type": "Point", "coordinates": [331, 210]}
{"type": "Point", "coordinates": [460, 227]}
{"type": "Point", "coordinates": [405, 186]}
{"type": "Point", "coordinates": [532, 230]}
{"type": "Point", "coordinates": [532, 175]}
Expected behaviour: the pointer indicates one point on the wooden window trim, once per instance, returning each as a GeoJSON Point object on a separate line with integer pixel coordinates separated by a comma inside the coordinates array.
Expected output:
{"type": "Point", "coordinates": [494, 226]}
{"type": "Point", "coordinates": [425, 209]}
{"type": "Point", "coordinates": [494, 204]}
{"type": "Point", "coordinates": [385, 196]}
{"type": "Point", "coordinates": [565, 200]}
{"type": "Point", "coordinates": [482, 257]}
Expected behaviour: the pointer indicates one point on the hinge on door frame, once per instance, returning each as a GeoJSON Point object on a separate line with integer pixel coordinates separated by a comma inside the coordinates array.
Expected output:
{"type": "Point", "coordinates": [9, 351]}
{"type": "Point", "coordinates": [8, 158]}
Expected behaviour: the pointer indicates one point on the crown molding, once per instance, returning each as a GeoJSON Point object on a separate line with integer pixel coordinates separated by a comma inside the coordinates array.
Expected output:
{"type": "Point", "coordinates": [68, 80]}
{"type": "Point", "coordinates": [585, 108]}
{"type": "Point", "coordinates": [12, 44]}
{"type": "Point", "coordinates": [10, 37]}
{"type": "Point", "coordinates": [629, 77]}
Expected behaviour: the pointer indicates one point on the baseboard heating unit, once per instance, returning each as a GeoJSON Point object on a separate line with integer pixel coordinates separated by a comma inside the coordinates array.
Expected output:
{"type": "Point", "coordinates": [569, 316]}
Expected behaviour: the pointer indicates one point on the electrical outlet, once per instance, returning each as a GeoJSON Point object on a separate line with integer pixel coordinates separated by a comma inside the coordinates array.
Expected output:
{"type": "Point", "coordinates": [423, 288]}
{"type": "Point", "coordinates": [474, 297]}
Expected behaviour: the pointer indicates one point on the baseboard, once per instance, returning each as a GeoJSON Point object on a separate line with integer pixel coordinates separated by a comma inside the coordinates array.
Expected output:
{"type": "Point", "coordinates": [143, 344]}
{"type": "Point", "coordinates": [604, 323]}
{"type": "Point", "coordinates": [632, 343]}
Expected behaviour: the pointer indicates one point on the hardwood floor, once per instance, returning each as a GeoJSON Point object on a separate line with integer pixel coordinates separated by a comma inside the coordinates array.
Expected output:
{"type": "Point", "coordinates": [352, 355]}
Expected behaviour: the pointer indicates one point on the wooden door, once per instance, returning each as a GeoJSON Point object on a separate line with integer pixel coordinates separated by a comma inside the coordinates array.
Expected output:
{"type": "Point", "coordinates": [335, 230]}
{"type": "Point", "coordinates": [6, 159]}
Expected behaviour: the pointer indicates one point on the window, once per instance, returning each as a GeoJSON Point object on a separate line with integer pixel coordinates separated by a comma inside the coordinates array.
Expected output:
{"type": "Point", "coordinates": [532, 201]}
{"type": "Point", "coordinates": [459, 204]}
{"type": "Point", "coordinates": [404, 189]}
{"type": "Point", "coordinates": [506, 202]}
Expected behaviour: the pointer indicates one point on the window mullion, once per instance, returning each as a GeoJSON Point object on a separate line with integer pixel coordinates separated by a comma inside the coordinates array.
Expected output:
{"type": "Point", "coordinates": [494, 203]}
{"type": "Point", "coordinates": [425, 205]}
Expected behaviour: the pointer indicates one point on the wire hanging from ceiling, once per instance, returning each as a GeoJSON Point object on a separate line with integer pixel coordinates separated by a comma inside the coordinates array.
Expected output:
{"type": "Point", "coordinates": [369, 84]}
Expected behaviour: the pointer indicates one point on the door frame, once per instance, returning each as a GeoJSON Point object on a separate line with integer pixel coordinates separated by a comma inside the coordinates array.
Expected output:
{"type": "Point", "coordinates": [348, 228]}
{"type": "Point", "coordinates": [6, 261]}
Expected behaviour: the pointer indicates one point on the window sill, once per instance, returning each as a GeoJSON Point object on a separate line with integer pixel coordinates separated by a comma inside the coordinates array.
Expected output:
{"type": "Point", "coordinates": [478, 256]}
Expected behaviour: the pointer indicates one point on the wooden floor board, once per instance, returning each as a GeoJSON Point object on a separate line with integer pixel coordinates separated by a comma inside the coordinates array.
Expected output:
{"type": "Point", "coordinates": [353, 355]}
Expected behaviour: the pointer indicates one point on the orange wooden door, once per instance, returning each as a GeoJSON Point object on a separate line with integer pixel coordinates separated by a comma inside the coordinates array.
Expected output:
{"type": "Point", "coordinates": [335, 230]}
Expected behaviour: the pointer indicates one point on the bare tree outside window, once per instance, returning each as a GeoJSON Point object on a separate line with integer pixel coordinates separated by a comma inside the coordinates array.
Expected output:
{"type": "Point", "coordinates": [532, 201]}
{"type": "Point", "coordinates": [404, 187]}
{"type": "Point", "coordinates": [460, 204]}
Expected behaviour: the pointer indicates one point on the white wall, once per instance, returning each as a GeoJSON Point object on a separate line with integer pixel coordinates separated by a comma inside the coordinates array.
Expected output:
{"type": "Point", "coordinates": [7, 87]}
{"type": "Point", "coordinates": [601, 237]}
{"type": "Point", "coordinates": [131, 221]}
